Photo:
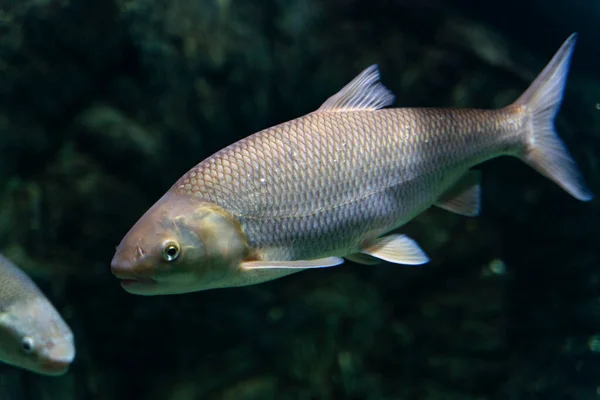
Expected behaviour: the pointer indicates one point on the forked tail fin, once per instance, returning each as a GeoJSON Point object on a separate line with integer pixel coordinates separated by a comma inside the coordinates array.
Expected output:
{"type": "Point", "coordinates": [544, 149]}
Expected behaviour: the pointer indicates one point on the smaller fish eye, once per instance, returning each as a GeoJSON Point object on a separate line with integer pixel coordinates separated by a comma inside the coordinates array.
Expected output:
{"type": "Point", "coordinates": [27, 345]}
{"type": "Point", "coordinates": [170, 251]}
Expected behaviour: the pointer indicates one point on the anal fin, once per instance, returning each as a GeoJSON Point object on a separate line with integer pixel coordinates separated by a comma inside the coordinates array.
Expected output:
{"type": "Point", "coordinates": [464, 197]}
{"type": "Point", "coordinates": [398, 249]}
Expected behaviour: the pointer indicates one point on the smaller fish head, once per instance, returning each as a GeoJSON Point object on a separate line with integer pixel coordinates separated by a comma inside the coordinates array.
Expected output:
{"type": "Point", "coordinates": [34, 336]}
{"type": "Point", "coordinates": [181, 244]}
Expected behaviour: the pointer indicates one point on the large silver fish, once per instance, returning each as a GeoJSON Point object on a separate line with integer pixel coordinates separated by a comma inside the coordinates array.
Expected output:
{"type": "Point", "coordinates": [331, 185]}
{"type": "Point", "coordinates": [33, 335]}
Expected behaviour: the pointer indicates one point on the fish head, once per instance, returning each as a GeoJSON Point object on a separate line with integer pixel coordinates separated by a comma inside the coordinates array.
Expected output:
{"type": "Point", "coordinates": [181, 244]}
{"type": "Point", "coordinates": [33, 336]}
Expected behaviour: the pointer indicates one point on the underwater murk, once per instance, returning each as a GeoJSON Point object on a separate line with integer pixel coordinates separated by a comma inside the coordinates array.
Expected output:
{"type": "Point", "coordinates": [299, 200]}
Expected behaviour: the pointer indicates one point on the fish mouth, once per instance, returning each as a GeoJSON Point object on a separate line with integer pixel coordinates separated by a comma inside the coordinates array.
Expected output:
{"type": "Point", "coordinates": [128, 276]}
{"type": "Point", "coordinates": [127, 281]}
{"type": "Point", "coordinates": [132, 281]}
{"type": "Point", "coordinates": [55, 367]}
{"type": "Point", "coordinates": [146, 287]}
{"type": "Point", "coordinates": [137, 284]}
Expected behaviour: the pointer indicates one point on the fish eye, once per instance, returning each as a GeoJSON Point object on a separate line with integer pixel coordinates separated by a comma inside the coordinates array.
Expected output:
{"type": "Point", "coordinates": [27, 345]}
{"type": "Point", "coordinates": [170, 251]}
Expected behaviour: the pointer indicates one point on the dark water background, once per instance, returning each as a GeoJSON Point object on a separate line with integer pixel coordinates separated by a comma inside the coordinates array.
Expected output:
{"type": "Point", "coordinates": [105, 103]}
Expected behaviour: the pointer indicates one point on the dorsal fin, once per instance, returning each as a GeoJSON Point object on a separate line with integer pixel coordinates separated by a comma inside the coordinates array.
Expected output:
{"type": "Point", "coordinates": [365, 92]}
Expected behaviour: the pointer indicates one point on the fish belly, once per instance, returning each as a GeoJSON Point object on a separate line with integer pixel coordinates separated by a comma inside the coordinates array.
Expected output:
{"type": "Point", "coordinates": [341, 230]}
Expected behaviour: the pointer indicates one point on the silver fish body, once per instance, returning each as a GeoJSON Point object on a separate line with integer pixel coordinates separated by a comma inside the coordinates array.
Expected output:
{"type": "Point", "coordinates": [332, 184]}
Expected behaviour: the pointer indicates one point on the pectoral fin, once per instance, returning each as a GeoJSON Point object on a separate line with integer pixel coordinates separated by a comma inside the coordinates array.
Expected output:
{"type": "Point", "coordinates": [464, 197]}
{"type": "Point", "coordinates": [398, 249]}
{"type": "Point", "coordinates": [364, 259]}
{"type": "Point", "coordinates": [298, 264]}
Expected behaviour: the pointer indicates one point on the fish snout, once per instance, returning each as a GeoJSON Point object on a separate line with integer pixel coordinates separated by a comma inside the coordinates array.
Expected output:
{"type": "Point", "coordinates": [126, 261]}
{"type": "Point", "coordinates": [127, 272]}
{"type": "Point", "coordinates": [120, 267]}
{"type": "Point", "coordinates": [59, 358]}
{"type": "Point", "coordinates": [131, 270]}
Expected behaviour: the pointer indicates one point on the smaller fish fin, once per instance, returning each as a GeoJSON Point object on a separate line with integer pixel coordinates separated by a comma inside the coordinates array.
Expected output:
{"type": "Point", "coordinates": [464, 197]}
{"type": "Point", "coordinates": [398, 249]}
{"type": "Point", "coordinates": [298, 264]}
{"type": "Point", "coordinates": [544, 150]}
{"type": "Point", "coordinates": [365, 92]}
{"type": "Point", "coordinates": [364, 259]}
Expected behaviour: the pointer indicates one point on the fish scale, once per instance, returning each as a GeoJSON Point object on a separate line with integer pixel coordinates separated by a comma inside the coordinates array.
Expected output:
{"type": "Point", "coordinates": [350, 176]}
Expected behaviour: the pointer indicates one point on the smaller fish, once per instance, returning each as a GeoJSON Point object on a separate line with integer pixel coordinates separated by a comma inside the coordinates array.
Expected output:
{"type": "Point", "coordinates": [33, 335]}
